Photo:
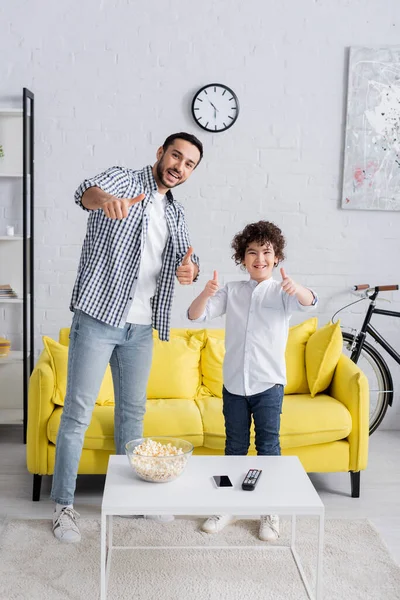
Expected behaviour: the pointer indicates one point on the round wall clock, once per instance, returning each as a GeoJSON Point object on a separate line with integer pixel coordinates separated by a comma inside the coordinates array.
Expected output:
{"type": "Point", "coordinates": [215, 107]}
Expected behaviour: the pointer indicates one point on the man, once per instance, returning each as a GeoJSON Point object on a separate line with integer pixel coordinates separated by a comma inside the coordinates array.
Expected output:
{"type": "Point", "coordinates": [136, 242]}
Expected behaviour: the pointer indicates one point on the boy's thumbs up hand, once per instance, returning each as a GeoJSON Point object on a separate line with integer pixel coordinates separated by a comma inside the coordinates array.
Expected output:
{"type": "Point", "coordinates": [288, 285]}
{"type": "Point", "coordinates": [212, 286]}
{"type": "Point", "coordinates": [185, 273]}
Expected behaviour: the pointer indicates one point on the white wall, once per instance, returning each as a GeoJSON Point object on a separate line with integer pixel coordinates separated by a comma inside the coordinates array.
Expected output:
{"type": "Point", "coordinates": [112, 79]}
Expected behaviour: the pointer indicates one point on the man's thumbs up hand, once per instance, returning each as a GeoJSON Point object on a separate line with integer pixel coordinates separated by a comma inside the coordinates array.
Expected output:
{"type": "Point", "coordinates": [212, 286]}
{"type": "Point", "coordinates": [118, 208]}
{"type": "Point", "coordinates": [288, 285]}
{"type": "Point", "coordinates": [132, 201]}
{"type": "Point", "coordinates": [185, 273]}
{"type": "Point", "coordinates": [186, 259]}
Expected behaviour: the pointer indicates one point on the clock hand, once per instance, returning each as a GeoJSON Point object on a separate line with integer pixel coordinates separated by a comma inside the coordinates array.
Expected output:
{"type": "Point", "coordinates": [214, 107]}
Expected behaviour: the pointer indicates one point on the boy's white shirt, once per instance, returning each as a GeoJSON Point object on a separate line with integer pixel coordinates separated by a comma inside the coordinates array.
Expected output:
{"type": "Point", "coordinates": [256, 332]}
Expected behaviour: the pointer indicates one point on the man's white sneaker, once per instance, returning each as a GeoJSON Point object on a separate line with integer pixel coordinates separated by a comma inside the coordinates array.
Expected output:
{"type": "Point", "coordinates": [216, 523]}
{"type": "Point", "coordinates": [65, 527]}
{"type": "Point", "coordinates": [269, 528]}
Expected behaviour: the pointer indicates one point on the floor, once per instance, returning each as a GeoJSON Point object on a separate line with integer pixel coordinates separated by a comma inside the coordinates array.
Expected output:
{"type": "Point", "coordinates": [379, 501]}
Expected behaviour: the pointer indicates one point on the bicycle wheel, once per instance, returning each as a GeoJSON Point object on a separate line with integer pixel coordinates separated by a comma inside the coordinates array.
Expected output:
{"type": "Point", "coordinates": [379, 378]}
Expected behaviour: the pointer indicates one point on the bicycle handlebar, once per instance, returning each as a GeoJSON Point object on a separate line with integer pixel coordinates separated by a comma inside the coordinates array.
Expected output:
{"type": "Point", "coordinates": [377, 288]}
{"type": "Point", "coordinates": [386, 288]}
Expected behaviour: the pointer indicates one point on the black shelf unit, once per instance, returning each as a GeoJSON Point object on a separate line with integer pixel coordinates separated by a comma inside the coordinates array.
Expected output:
{"type": "Point", "coordinates": [28, 197]}
{"type": "Point", "coordinates": [17, 129]}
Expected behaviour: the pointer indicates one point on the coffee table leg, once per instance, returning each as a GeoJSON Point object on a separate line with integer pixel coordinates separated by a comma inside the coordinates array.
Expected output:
{"type": "Point", "coordinates": [103, 557]}
{"type": "Point", "coordinates": [318, 584]}
{"type": "Point", "coordinates": [109, 541]}
{"type": "Point", "coordinates": [315, 594]}
{"type": "Point", "coordinates": [293, 531]}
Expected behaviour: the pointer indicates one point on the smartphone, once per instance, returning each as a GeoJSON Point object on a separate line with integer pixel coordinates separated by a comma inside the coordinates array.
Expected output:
{"type": "Point", "coordinates": [222, 481]}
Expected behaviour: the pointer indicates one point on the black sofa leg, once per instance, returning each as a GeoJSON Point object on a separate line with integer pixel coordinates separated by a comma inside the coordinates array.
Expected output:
{"type": "Point", "coordinates": [37, 484]}
{"type": "Point", "coordinates": [355, 484]}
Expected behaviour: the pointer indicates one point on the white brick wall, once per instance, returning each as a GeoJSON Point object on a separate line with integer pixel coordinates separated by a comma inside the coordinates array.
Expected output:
{"type": "Point", "coordinates": [112, 79]}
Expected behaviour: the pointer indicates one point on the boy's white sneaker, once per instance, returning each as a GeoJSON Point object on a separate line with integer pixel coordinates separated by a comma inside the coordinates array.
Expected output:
{"type": "Point", "coordinates": [65, 526]}
{"type": "Point", "coordinates": [216, 523]}
{"type": "Point", "coordinates": [269, 528]}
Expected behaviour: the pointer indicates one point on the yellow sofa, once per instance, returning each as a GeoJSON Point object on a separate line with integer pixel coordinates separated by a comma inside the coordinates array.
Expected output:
{"type": "Point", "coordinates": [326, 428]}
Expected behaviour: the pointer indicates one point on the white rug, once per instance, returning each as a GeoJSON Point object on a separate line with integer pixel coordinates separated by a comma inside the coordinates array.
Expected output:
{"type": "Point", "coordinates": [33, 565]}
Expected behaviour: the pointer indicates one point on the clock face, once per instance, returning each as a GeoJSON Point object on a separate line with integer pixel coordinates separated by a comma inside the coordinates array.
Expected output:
{"type": "Point", "coordinates": [215, 107]}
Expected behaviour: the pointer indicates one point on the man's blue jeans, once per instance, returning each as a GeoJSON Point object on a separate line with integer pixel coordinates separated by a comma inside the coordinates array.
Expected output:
{"type": "Point", "coordinates": [94, 344]}
{"type": "Point", "coordinates": [265, 408]}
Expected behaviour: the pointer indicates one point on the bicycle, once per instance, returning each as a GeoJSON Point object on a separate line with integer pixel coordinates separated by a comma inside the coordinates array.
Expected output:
{"type": "Point", "coordinates": [368, 358]}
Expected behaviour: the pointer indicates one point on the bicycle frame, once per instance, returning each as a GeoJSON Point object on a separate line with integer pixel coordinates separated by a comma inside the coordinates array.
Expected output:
{"type": "Point", "coordinates": [367, 328]}
{"type": "Point", "coordinates": [357, 343]}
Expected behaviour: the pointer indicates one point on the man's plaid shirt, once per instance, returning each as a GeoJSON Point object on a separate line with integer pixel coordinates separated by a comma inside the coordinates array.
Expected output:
{"type": "Point", "coordinates": [111, 252]}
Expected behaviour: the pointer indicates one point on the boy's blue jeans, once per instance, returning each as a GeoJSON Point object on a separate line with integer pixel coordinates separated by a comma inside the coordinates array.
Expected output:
{"type": "Point", "coordinates": [265, 408]}
{"type": "Point", "coordinates": [94, 344]}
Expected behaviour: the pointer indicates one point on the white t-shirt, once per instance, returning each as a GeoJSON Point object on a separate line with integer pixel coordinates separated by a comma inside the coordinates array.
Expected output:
{"type": "Point", "coordinates": [256, 332]}
{"type": "Point", "coordinates": [150, 262]}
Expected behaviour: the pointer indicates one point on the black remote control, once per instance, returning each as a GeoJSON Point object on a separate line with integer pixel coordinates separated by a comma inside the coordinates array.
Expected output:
{"type": "Point", "coordinates": [250, 481]}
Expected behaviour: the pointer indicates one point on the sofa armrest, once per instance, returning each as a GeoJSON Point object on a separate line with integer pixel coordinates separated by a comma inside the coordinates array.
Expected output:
{"type": "Point", "coordinates": [350, 386]}
{"type": "Point", "coordinates": [40, 408]}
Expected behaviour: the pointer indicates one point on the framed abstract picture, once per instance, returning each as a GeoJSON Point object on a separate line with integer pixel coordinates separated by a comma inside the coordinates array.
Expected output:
{"type": "Point", "coordinates": [371, 177]}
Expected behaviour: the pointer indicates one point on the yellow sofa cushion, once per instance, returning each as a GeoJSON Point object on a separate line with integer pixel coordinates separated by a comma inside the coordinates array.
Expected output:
{"type": "Point", "coordinates": [63, 336]}
{"type": "Point", "coordinates": [323, 351]}
{"type": "Point", "coordinates": [212, 358]}
{"type": "Point", "coordinates": [100, 433]}
{"type": "Point", "coordinates": [295, 356]}
{"type": "Point", "coordinates": [58, 354]}
{"type": "Point", "coordinates": [175, 418]}
{"type": "Point", "coordinates": [172, 417]}
{"type": "Point", "coordinates": [305, 421]}
{"type": "Point", "coordinates": [175, 368]}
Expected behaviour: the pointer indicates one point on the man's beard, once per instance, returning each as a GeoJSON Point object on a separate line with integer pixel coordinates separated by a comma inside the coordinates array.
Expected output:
{"type": "Point", "coordinates": [160, 175]}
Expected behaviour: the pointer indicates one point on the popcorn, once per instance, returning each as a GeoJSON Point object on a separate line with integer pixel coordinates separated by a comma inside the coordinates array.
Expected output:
{"type": "Point", "coordinates": [157, 462]}
{"type": "Point", "coordinates": [152, 448]}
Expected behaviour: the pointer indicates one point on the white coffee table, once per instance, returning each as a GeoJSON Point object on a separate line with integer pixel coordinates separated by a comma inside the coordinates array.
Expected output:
{"type": "Point", "coordinates": [283, 489]}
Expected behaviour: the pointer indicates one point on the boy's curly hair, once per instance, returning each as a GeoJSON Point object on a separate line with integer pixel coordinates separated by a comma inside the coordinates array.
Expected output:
{"type": "Point", "coordinates": [263, 232]}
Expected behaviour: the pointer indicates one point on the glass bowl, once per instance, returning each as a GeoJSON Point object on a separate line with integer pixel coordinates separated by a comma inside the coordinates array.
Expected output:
{"type": "Point", "coordinates": [158, 459]}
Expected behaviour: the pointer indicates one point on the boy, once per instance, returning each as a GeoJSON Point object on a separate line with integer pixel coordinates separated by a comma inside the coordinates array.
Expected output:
{"type": "Point", "coordinates": [257, 324]}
